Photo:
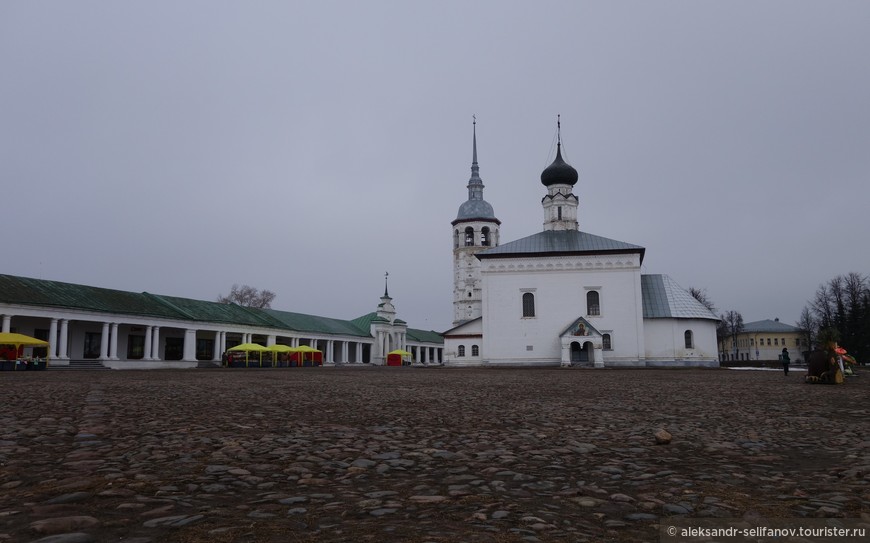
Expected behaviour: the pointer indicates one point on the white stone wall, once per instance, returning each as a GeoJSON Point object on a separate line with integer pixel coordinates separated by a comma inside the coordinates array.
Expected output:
{"type": "Point", "coordinates": [560, 285]}
{"type": "Point", "coordinates": [467, 289]}
{"type": "Point", "coordinates": [666, 344]}
{"type": "Point", "coordinates": [467, 335]}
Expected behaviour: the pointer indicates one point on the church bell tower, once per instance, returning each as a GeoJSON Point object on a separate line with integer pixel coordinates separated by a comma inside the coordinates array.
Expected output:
{"type": "Point", "coordinates": [475, 229]}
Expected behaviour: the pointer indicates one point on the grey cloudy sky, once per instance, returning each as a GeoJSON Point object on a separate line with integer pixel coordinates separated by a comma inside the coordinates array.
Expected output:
{"type": "Point", "coordinates": [307, 147]}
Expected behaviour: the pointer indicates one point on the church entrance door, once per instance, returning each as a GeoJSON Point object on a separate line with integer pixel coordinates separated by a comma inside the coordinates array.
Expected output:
{"type": "Point", "coordinates": [578, 353]}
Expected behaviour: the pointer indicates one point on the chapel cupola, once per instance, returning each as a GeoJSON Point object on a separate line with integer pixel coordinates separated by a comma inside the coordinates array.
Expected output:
{"type": "Point", "coordinates": [560, 203]}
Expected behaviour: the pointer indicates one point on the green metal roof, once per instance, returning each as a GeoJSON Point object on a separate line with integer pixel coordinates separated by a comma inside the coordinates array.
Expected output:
{"type": "Point", "coordinates": [43, 293]}
{"type": "Point", "coordinates": [202, 311]}
{"type": "Point", "coordinates": [311, 323]}
{"type": "Point", "coordinates": [424, 336]}
{"type": "Point", "coordinates": [39, 292]}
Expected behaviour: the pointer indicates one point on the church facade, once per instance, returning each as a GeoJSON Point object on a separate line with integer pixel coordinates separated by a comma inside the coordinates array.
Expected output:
{"type": "Point", "coordinates": [564, 297]}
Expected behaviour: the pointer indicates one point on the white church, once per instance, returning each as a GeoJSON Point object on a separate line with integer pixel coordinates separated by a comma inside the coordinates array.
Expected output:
{"type": "Point", "coordinates": [562, 296]}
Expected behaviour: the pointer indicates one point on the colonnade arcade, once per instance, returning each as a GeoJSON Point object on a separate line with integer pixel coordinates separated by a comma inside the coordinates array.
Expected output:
{"type": "Point", "coordinates": [82, 339]}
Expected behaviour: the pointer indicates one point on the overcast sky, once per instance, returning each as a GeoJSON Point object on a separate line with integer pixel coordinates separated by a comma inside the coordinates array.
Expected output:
{"type": "Point", "coordinates": [179, 147]}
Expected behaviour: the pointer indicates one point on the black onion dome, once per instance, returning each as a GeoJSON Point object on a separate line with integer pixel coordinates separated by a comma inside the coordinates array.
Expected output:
{"type": "Point", "coordinates": [559, 172]}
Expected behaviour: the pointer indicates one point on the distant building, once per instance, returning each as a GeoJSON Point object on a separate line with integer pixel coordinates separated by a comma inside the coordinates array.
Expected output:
{"type": "Point", "coordinates": [564, 296]}
{"type": "Point", "coordinates": [128, 330]}
{"type": "Point", "coordinates": [764, 340]}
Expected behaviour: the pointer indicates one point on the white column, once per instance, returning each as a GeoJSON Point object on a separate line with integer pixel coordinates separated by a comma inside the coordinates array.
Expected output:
{"type": "Point", "coordinates": [64, 335]}
{"type": "Point", "coordinates": [358, 352]}
{"type": "Point", "coordinates": [598, 356]}
{"type": "Point", "coordinates": [223, 342]}
{"type": "Point", "coordinates": [345, 351]}
{"type": "Point", "coordinates": [330, 350]}
{"type": "Point", "coordinates": [270, 341]}
{"type": "Point", "coordinates": [104, 342]}
{"type": "Point", "coordinates": [216, 357]}
{"type": "Point", "coordinates": [146, 354]}
{"type": "Point", "coordinates": [189, 346]}
{"type": "Point", "coordinates": [566, 354]}
{"type": "Point", "coordinates": [155, 343]}
{"type": "Point", "coordinates": [113, 343]}
{"type": "Point", "coordinates": [52, 339]}
{"type": "Point", "coordinates": [7, 323]}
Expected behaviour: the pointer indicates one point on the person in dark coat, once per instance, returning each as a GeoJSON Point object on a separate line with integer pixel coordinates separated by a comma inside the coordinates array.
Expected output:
{"type": "Point", "coordinates": [785, 360]}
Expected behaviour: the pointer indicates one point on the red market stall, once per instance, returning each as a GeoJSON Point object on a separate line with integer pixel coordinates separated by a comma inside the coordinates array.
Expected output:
{"type": "Point", "coordinates": [305, 355]}
{"type": "Point", "coordinates": [13, 355]}
{"type": "Point", "coordinates": [399, 358]}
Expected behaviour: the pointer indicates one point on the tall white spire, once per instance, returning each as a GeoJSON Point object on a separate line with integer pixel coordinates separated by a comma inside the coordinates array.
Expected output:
{"type": "Point", "coordinates": [475, 183]}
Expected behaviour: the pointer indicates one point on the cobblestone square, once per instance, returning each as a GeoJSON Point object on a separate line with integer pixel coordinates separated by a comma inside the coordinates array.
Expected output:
{"type": "Point", "coordinates": [421, 455]}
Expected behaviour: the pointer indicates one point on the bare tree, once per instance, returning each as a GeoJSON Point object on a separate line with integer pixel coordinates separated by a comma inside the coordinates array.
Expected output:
{"type": "Point", "coordinates": [808, 327]}
{"type": "Point", "coordinates": [248, 296]}
{"type": "Point", "coordinates": [701, 296]}
{"type": "Point", "coordinates": [733, 322]}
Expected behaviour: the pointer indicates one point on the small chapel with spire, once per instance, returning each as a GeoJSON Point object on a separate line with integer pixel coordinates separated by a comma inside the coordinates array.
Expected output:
{"type": "Point", "coordinates": [563, 296]}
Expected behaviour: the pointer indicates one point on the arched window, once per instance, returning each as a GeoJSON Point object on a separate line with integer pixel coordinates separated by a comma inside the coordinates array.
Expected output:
{"type": "Point", "coordinates": [690, 343]}
{"type": "Point", "coordinates": [475, 350]}
{"type": "Point", "coordinates": [593, 305]}
{"type": "Point", "coordinates": [528, 304]}
{"type": "Point", "coordinates": [455, 239]}
{"type": "Point", "coordinates": [460, 351]}
{"type": "Point", "coordinates": [606, 344]}
{"type": "Point", "coordinates": [469, 236]}
{"type": "Point", "coordinates": [484, 236]}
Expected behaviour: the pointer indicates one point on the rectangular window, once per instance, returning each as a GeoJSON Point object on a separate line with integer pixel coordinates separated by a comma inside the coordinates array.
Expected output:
{"type": "Point", "coordinates": [135, 347]}
{"type": "Point", "coordinates": [528, 304]}
{"type": "Point", "coordinates": [174, 349]}
{"type": "Point", "coordinates": [204, 349]}
{"type": "Point", "coordinates": [92, 345]}
{"type": "Point", "coordinates": [40, 352]}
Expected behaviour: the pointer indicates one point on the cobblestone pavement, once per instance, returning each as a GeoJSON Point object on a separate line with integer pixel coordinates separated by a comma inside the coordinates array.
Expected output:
{"type": "Point", "coordinates": [420, 455]}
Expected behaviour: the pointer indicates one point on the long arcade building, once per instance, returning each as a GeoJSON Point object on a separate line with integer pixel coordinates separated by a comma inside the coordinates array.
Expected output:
{"type": "Point", "coordinates": [141, 330]}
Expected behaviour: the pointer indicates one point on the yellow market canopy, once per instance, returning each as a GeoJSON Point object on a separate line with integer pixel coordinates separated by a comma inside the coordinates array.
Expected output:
{"type": "Point", "coordinates": [305, 349]}
{"type": "Point", "coordinates": [18, 340]}
{"type": "Point", "coordinates": [280, 348]}
{"type": "Point", "coordinates": [400, 352]}
{"type": "Point", "coordinates": [248, 347]}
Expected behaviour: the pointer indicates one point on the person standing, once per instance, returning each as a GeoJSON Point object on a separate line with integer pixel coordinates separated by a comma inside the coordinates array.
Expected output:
{"type": "Point", "coordinates": [785, 360]}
